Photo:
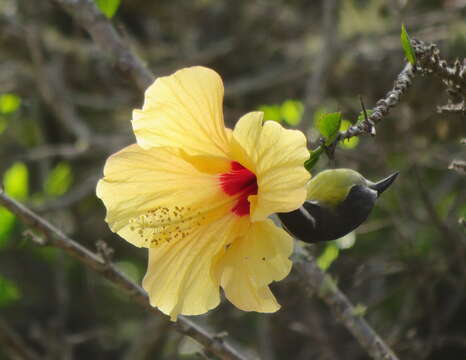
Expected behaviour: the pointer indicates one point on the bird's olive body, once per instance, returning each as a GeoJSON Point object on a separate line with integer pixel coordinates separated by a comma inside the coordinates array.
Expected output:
{"type": "Point", "coordinates": [318, 220]}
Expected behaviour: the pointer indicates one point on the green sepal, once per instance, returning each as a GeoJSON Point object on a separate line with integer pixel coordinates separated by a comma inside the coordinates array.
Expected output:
{"type": "Point", "coordinates": [313, 158]}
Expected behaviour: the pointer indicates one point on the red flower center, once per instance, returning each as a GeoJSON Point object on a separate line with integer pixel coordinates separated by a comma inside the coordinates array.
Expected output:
{"type": "Point", "coordinates": [239, 181]}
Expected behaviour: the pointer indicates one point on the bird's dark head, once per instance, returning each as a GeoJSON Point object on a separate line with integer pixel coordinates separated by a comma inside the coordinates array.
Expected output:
{"type": "Point", "coordinates": [339, 200]}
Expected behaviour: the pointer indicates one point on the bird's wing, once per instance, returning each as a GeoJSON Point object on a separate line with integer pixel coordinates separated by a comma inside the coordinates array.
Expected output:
{"type": "Point", "coordinates": [306, 214]}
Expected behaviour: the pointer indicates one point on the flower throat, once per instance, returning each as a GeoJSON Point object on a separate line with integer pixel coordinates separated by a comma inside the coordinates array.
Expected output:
{"type": "Point", "coordinates": [239, 182]}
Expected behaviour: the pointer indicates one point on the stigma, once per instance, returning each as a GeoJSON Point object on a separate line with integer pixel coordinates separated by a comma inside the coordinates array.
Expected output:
{"type": "Point", "coordinates": [240, 183]}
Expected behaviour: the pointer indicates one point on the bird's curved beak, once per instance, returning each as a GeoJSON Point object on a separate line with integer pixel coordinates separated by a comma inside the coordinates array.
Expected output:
{"type": "Point", "coordinates": [383, 184]}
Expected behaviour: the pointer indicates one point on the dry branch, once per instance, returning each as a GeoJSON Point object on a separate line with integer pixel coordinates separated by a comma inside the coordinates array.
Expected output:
{"type": "Point", "coordinates": [382, 107]}
{"type": "Point", "coordinates": [104, 34]}
{"type": "Point", "coordinates": [14, 344]}
{"type": "Point", "coordinates": [317, 281]}
{"type": "Point", "coordinates": [429, 63]}
{"type": "Point", "coordinates": [55, 237]}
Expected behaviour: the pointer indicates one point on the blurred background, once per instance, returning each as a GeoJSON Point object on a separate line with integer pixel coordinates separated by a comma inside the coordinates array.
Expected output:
{"type": "Point", "coordinates": [65, 107]}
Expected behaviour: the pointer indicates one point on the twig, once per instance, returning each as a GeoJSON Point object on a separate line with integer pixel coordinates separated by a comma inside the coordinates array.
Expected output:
{"type": "Point", "coordinates": [88, 16]}
{"type": "Point", "coordinates": [317, 281]}
{"type": "Point", "coordinates": [15, 344]}
{"type": "Point", "coordinates": [452, 108]}
{"type": "Point", "coordinates": [452, 76]}
{"type": "Point", "coordinates": [271, 77]}
{"type": "Point", "coordinates": [382, 107]}
{"type": "Point", "coordinates": [49, 81]}
{"type": "Point", "coordinates": [429, 62]}
{"type": "Point", "coordinates": [56, 238]}
{"type": "Point", "coordinates": [317, 84]}
{"type": "Point", "coordinates": [459, 166]}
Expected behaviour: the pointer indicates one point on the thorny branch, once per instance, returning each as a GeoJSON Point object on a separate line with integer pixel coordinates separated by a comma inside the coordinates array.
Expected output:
{"type": "Point", "coordinates": [428, 63]}
{"type": "Point", "coordinates": [317, 281]}
{"type": "Point", "coordinates": [453, 77]}
{"type": "Point", "coordinates": [382, 107]}
{"type": "Point", "coordinates": [102, 266]}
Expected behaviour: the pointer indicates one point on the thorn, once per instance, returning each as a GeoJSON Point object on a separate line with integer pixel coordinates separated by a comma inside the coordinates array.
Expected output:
{"type": "Point", "coordinates": [105, 251]}
{"type": "Point", "coordinates": [369, 122]}
{"type": "Point", "coordinates": [34, 237]}
{"type": "Point", "coordinates": [221, 336]}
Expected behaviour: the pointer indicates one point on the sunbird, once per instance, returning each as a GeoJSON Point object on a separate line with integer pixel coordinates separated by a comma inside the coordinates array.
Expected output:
{"type": "Point", "coordinates": [338, 201]}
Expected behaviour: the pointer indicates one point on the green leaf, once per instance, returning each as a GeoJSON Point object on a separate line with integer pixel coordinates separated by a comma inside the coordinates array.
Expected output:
{"type": "Point", "coordinates": [9, 103]}
{"type": "Point", "coordinates": [15, 181]}
{"type": "Point", "coordinates": [3, 123]}
{"type": "Point", "coordinates": [271, 112]}
{"type": "Point", "coordinates": [328, 125]}
{"type": "Point", "coordinates": [406, 44]}
{"type": "Point", "coordinates": [350, 143]}
{"type": "Point", "coordinates": [108, 7]}
{"type": "Point", "coordinates": [7, 223]}
{"type": "Point", "coordinates": [329, 255]}
{"type": "Point", "coordinates": [59, 180]}
{"type": "Point", "coordinates": [292, 112]}
{"type": "Point", "coordinates": [16, 184]}
{"type": "Point", "coordinates": [9, 292]}
{"type": "Point", "coordinates": [313, 158]}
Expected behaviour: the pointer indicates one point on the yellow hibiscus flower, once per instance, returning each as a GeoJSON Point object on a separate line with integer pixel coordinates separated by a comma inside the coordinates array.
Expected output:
{"type": "Point", "coordinates": [198, 196]}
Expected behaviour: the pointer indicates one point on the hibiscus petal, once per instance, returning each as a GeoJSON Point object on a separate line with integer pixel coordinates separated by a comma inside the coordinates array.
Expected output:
{"type": "Point", "coordinates": [276, 155]}
{"type": "Point", "coordinates": [246, 267]}
{"type": "Point", "coordinates": [178, 278]}
{"type": "Point", "coordinates": [184, 110]}
{"type": "Point", "coordinates": [157, 194]}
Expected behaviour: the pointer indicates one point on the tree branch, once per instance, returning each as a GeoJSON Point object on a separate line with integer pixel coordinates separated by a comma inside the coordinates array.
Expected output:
{"type": "Point", "coordinates": [452, 76]}
{"type": "Point", "coordinates": [104, 34]}
{"type": "Point", "coordinates": [15, 344]}
{"type": "Point", "coordinates": [429, 62]}
{"type": "Point", "coordinates": [382, 107]}
{"type": "Point", "coordinates": [56, 238]}
{"type": "Point", "coordinates": [316, 280]}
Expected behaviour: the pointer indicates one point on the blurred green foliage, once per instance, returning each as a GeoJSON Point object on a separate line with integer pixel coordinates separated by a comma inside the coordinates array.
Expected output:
{"type": "Point", "coordinates": [16, 185]}
{"type": "Point", "coordinates": [289, 111]}
{"type": "Point", "coordinates": [16, 181]}
{"type": "Point", "coordinates": [9, 292]}
{"type": "Point", "coordinates": [59, 179]}
{"type": "Point", "coordinates": [108, 7]}
{"type": "Point", "coordinates": [332, 249]}
{"type": "Point", "coordinates": [9, 103]}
